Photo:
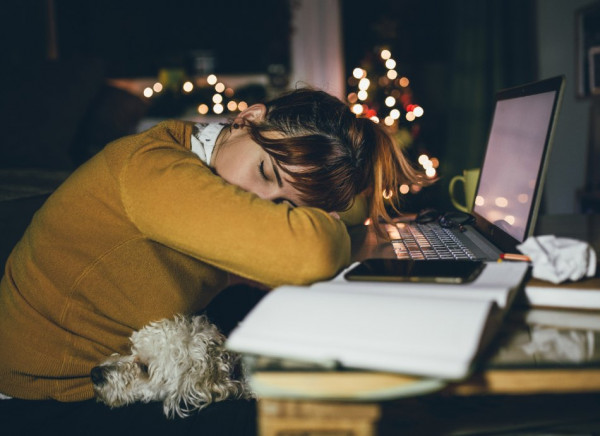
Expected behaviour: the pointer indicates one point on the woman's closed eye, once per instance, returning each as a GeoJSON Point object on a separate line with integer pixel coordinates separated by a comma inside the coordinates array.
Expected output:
{"type": "Point", "coordinates": [261, 170]}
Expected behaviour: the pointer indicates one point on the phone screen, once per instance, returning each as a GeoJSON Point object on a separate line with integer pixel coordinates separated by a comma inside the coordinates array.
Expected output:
{"type": "Point", "coordinates": [405, 270]}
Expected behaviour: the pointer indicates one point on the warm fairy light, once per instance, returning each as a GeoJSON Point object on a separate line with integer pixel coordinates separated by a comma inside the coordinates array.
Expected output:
{"type": "Point", "coordinates": [435, 162]}
{"type": "Point", "coordinates": [218, 108]}
{"type": "Point", "coordinates": [389, 121]}
{"type": "Point", "coordinates": [418, 111]}
{"type": "Point", "coordinates": [242, 106]}
{"type": "Point", "coordinates": [404, 189]}
{"type": "Point", "coordinates": [422, 159]}
{"type": "Point", "coordinates": [404, 82]}
{"type": "Point", "coordinates": [148, 92]}
{"type": "Point", "coordinates": [212, 79]}
{"type": "Point", "coordinates": [510, 219]}
{"type": "Point", "coordinates": [385, 54]}
{"type": "Point", "coordinates": [375, 119]}
{"type": "Point", "coordinates": [188, 86]}
{"type": "Point", "coordinates": [395, 114]}
{"type": "Point", "coordinates": [387, 194]}
{"type": "Point", "coordinates": [359, 73]}
{"type": "Point", "coordinates": [367, 222]}
{"type": "Point", "coordinates": [390, 64]}
{"type": "Point", "coordinates": [352, 97]}
{"type": "Point", "coordinates": [217, 98]}
{"type": "Point", "coordinates": [430, 172]}
{"type": "Point", "coordinates": [390, 101]}
{"type": "Point", "coordinates": [219, 87]}
{"type": "Point", "coordinates": [427, 164]}
{"type": "Point", "coordinates": [157, 87]}
{"type": "Point", "coordinates": [392, 74]}
{"type": "Point", "coordinates": [203, 109]}
{"type": "Point", "coordinates": [410, 116]}
{"type": "Point", "coordinates": [357, 109]}
{"type": "Point", "coordinates": [231, 106]}
{"type": "Point", "coordinates": [362, 95]}
{"type": "Point", "coordinates": [364, 83]}
{"type": "Point", "coordinates": [229, 92]}
{"type": "Point", "coordinates": [479, 200]}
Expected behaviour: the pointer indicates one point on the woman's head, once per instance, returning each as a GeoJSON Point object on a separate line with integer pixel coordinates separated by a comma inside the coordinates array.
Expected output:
{"type": "Point", "coordinates": [323, 151]}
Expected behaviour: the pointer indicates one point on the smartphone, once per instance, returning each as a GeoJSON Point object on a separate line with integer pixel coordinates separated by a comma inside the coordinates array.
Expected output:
{"type": "Point", "coordinates": [406, 270]}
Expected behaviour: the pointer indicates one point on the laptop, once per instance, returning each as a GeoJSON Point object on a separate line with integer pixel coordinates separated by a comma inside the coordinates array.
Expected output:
{"type": "Point", "coordinates": [509, 191]}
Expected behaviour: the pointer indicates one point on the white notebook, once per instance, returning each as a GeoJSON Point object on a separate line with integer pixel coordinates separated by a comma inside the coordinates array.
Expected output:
{"type": "Point", "coordinates": [434, 330]}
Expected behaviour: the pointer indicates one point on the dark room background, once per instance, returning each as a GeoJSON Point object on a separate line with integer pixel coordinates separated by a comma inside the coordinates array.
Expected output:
{"type": "Point", "coordinates": [457, 53]}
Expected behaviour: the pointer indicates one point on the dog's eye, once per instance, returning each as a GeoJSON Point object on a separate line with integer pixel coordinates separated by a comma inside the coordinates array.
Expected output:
{"type": "Point", "coordinates": [143, 367]}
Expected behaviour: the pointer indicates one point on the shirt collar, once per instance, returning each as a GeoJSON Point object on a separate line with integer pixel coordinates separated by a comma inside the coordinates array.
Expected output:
{"type": "Point", "coordinates": [204, 138]}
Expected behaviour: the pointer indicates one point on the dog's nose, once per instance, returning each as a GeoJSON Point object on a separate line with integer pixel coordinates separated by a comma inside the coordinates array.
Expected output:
{"type": "Point", "coordinates": [97, 375]}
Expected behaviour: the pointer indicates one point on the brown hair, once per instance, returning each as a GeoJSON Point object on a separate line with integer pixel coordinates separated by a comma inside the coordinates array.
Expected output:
{"type": "Point", "coordinates": [340, 155]}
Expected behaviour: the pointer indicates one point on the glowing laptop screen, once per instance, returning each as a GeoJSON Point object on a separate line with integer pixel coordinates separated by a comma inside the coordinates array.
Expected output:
{"type": "Point", "coordinates": [513, 159]}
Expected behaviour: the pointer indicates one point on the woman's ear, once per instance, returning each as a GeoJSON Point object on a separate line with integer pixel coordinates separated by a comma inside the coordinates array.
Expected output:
{"type": "Point", "coordinates": [254, 113]}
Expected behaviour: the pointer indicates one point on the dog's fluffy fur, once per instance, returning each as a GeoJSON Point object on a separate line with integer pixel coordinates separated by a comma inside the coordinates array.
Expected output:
{"type": "Point", "coordinates": [181, 362]}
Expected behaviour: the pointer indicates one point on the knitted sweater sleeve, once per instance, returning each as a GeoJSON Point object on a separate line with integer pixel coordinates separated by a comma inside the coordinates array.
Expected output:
{"type": "Point", "coordinates": [174, 199]}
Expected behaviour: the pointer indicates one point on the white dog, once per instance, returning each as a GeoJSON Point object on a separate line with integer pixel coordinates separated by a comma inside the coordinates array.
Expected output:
{"type": "Point", "coordinates": [181, 362]}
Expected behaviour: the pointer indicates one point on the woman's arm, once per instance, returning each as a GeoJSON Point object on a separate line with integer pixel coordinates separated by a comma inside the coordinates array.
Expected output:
{"type": "Point", "coordinates": [358, 212]}
{"type": "Point", "coordinates": [173, 198]}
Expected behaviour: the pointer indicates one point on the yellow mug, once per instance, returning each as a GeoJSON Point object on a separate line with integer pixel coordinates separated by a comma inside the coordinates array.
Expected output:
{"type": "Point", "coordinates": [469, 179]}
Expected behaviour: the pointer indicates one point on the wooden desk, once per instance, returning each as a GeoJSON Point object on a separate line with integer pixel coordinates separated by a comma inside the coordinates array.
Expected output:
{"type": "Point", "coordinates": [500, 397]}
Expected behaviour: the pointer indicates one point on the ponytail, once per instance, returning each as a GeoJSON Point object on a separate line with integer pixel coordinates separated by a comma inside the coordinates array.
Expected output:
{"type": "Point", "coordinates": [389, 169]}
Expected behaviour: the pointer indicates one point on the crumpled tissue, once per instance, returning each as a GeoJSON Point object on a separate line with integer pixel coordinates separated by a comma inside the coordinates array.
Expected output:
{"type": "Point", "coordinates": [559, 259]}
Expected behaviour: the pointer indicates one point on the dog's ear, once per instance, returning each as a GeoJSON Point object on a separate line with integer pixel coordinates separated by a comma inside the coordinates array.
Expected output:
{"type": "Point", "coordinates": [208, 377]}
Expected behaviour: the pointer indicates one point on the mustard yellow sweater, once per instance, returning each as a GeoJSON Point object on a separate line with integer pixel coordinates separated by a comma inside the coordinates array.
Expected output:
{"type": "Point", "coordinates": [142, 231]}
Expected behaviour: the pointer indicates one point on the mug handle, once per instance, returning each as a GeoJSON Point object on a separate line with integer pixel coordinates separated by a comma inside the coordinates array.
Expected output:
{"type": "Point", "coordinates": [456, 204]}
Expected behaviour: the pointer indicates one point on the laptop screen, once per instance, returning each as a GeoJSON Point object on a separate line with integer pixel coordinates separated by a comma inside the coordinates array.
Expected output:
{"type": "Point", "coordinates": [512, 169]}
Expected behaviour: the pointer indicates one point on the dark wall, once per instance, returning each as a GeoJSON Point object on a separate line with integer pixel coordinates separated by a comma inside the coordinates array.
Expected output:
{"type": "Point", "coordinates": [137, 37]}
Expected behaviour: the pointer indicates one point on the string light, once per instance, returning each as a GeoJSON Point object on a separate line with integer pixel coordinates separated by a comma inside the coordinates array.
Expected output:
{"type": "Point", "coordinates": [188, 86]}
{"type": "Point", "coordinates": [359, 73]}
{"type": "Point", "coordinates": [232, 106]}
{"type": "Point", "coordinates": [364, 84]}
{"type": "Point", "coordinates": [211, 79]}
{"type": "Point", "coordinates": [357, 109]}
{"type": "Point", "coordinates": [362, 101]}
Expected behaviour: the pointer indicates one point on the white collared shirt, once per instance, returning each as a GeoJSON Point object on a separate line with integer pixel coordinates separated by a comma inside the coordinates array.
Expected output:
{"type": "Point", "coordinates": [204, 138]}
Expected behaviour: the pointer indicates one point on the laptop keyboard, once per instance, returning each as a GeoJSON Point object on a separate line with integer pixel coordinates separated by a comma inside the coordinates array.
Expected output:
{"type": "Point", "coordinates": [426, 241]}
